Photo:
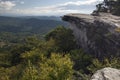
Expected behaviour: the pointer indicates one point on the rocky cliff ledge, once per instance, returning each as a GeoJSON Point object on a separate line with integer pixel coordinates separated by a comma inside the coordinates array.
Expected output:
{"type": "Point", "coordinates": [98, 35]}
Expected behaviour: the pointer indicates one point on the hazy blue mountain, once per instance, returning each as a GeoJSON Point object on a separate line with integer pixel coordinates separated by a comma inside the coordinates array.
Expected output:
{"type": "Point", "coordinates": [58, 18]}
{"type": "Point", "coordinates": [29, 24]}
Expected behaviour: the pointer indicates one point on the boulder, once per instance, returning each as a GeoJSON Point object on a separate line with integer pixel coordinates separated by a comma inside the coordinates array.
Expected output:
{"type": "Point", "coordinates": [106, 74]}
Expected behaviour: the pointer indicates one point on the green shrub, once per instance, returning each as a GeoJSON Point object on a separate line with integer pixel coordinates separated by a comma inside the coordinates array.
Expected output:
{"type": "Point", "coordinates": [30, 73]}
{"type": "Point", "coordinates": [97, 64]}
{"type": "Point", "coordinates": [57, 67]}
{"type": "Point", "coordinates": [4, 74]}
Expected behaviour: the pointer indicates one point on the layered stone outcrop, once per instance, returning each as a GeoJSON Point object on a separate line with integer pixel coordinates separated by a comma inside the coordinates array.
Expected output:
{"type": "Point", "coordinates": [98, 35]}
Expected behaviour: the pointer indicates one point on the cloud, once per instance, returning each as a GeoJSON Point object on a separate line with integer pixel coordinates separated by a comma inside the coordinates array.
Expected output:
{"type": "Point", "coordinates": [58, 9]}
{"type": "Point", "coordinates": [22, 2]}
{"type": "Point", "coordinates": [64, 5]}
{"type": "Point", "coordinates": [61, 8]}
{"type": "Point", "coordinates": [7, 5]}
{"type": "Point", "coordinates": [46, 12]}
{"type": "Point", "coordinates": [68, 4]}
{"type": "Point", "coordinates": [50, 10]}
{"type": "Point", "coordinates": [78, 3]}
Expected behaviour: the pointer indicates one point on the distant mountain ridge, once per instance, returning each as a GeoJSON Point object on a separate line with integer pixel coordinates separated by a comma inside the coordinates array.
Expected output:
{"type": "Point", "coordinates": [32, 24]}
{"type": "Point", "coordinates": [58, 18]}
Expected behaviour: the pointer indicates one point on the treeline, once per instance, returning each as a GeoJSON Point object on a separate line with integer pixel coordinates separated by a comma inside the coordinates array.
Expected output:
{"type": "Point", "coordinates": [55, 58]}
{"type": "Point", "coordinates": [109, 6]}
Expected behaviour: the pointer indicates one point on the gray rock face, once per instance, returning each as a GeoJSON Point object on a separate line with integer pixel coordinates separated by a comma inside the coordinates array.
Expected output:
{"type": "Point", "coordinates": [98, 35]}
{"type": "Point", "coordinates": [107, 74]}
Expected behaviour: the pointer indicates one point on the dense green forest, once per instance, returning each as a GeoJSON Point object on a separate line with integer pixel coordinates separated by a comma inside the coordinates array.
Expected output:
{"type": "Point", "coordinates": [35, 49]}
{"type": "Point", "coordinates": [54, 58]}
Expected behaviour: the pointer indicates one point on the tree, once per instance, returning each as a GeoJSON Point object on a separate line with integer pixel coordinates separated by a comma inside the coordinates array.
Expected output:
{"type": "Point", "coordinates": [63, 39]}
{"type": "Point", "coordinates": [117, 8]}
{"type": "Point", "coordinates": [111, 6]}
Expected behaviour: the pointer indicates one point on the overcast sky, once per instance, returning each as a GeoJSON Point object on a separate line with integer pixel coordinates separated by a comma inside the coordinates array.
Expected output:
{"type": "Point", "coordinates": [46, 7]}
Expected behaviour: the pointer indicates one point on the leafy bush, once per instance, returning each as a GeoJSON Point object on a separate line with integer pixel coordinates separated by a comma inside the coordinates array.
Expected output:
{"type": "Point", "coordinates": [30, 73]}
{"type": "Point", "coordinates": [4, 74]}
{"type": "Point", "coordinates": [97, 64]}
{"type": "Point", "coordinates": [57, 67]}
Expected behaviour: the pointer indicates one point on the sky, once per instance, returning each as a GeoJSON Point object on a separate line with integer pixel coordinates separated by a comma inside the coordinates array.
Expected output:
{"type": "Point", "coordinates": [46, 7]}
